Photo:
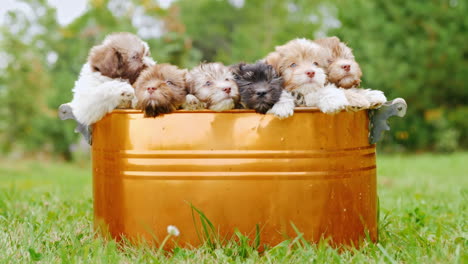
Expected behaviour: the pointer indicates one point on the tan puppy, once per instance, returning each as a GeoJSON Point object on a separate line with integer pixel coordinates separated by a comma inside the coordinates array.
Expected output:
{"type": "Point", "coordinates": [341, 67]}
{"type": "Point", "coordinates": [121, 55]}
{"type": "Point", "coordinates": [343, 70]}
{"type": "Point", "coordinates": [212, 86]}
{"type": "Point", "coordinates": [301, 63]}
{"type": "Point", "coordinates": [160, 89]}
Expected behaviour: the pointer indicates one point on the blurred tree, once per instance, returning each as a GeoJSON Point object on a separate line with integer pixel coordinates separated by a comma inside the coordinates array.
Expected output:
{"type": "Point", "coordinates": [416, 50]}
{"type": "Point", "coordinates": [45, 60]}
{"type": "Point", "coordinates": [410, 49]}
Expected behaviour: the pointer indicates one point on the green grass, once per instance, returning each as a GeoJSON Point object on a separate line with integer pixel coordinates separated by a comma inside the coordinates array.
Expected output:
{"type": "Point", "coordinates": [46, 216]}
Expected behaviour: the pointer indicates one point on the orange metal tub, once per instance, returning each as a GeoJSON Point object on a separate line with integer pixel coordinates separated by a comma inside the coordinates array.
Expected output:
{"type": "Point", "coordinates": [240, 169]}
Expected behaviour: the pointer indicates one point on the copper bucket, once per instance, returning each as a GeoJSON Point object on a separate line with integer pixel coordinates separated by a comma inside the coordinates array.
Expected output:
{"type": "Point", "coordinates": [314, 171]}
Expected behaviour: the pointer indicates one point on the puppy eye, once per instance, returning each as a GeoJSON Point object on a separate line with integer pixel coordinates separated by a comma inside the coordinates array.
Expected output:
{"type": "Point", "coordinates": [208, 83]}
{"type": "Point", "coordinates": [293, 65]}
{"type": "Point", "coordinates": [315, 63]}
{"type": "Point", "coordinates": [227, 79]}
{"type": "Point", "coordinates": [169, 83]}
{"type": "Point", "coordinates": [134, 57]}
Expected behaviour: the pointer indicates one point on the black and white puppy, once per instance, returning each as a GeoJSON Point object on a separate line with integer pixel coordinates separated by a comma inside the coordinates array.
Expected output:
{"type": "Point", "coordinates": [261, 89]}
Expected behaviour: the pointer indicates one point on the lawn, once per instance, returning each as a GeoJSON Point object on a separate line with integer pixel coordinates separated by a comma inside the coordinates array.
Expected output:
{"type": "Point", "coordinates": [46, 216]}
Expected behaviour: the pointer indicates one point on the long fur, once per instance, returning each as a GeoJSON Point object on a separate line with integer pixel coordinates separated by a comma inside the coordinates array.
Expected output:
{"type": "Point", "coordinates": [301, 64]}
{"type": "Point", "coordinates": [261, 88]}
{"type": "Point", "coordinates": [104, 81]}
{"type": "Point", "coordinates": [341, 66]}
{"type": "Point", "coordinates": [160, 89]}
{"type": "Point", "coordinates": [343, 71]}
{"type": "Point", "coordinates": [207, 84]}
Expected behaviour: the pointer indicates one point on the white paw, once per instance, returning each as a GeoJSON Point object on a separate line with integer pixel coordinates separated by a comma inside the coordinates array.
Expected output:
{"type": "Point", "coordinates": [282, 109]}
{"type": "Point", "coordinates": [356, 100]}
{"type": "Point", "coordinates": [126, 95]}
{"type": "Point", "coordinates": [332, 100]}
{"type": "Point", "coordinates": [311, 100]}
{"type": "Point", "coordinates": [332, 108]}
{"type": "Point", "coordinates": [376, 98]}
{"type": "Point", "coordinates": [192, 103]}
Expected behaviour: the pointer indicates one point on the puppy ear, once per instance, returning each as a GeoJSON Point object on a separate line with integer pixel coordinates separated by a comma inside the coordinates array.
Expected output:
{"type": "Point", "coordinates": [237, 69]}
{"type": "Point", "coordinates": [105, 60]}
{"type": "Point", "coordinates": [273, 59]}
{"type": "Point", "coordinates": [329, 42]}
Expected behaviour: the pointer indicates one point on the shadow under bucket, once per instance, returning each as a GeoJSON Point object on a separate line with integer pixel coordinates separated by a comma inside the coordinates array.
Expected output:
{"type": "Point", "coordinates": [314, 171]}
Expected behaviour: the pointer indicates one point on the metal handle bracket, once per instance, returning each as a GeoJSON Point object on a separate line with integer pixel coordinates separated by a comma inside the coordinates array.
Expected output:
{"type": "Point", "coordinates": [378, 122]}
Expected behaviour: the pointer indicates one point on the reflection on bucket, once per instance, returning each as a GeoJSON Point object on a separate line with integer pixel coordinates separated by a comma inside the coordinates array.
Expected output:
{"type": "Point", "coordinates": [241, 169]}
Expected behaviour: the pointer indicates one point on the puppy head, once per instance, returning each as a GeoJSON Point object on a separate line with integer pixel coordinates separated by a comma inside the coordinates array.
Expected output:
{"type": "Point", "coordinates": [344, 73]}
{"type": "Point", "coordinates": [160, 89]}
{"type": "Point", "coordinates": [342, 68]}
{"type": "Point", "coordinates": [300, 62]}
{"type": "Point", "coordinates": [213, 83]}
{"type": "Point", "coordinates": [121, 55]}
{"type": "Point", "coordinates": [259, 84]}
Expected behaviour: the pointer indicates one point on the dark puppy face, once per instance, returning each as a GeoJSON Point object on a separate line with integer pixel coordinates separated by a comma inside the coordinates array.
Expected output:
{"type": "Point", "coordinates": [160, 89]}
{"type": "Point", "coordinates": [121, 55]}
{"type": "Point", "coordinates": [259, 84]}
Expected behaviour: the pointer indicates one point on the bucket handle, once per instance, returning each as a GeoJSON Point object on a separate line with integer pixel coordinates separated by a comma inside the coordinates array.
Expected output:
{"type": "Point", "coordinates": [378, 122]}
{"type": "Point", "coordinates": [66, 112]}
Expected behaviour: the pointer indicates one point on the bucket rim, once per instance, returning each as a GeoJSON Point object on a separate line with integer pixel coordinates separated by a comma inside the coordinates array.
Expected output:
{"type": "Point", "coordinates": [207, 111]}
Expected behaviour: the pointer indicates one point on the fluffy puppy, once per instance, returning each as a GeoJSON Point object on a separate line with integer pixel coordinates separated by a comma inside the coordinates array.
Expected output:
{"type": "Point", "coordinates": [104, 81]}
{"type": "Point", "coordinates": [160, 89]}
{"type": "Point", "coordinates": [212, 86]}
{"type": "Point", "coordinates": [343, 71]}
{"type": "Point", "coordinates": [301, 64]}
{"type": "Point", "coordinates": [341, 66]}
{"type": "Point", "coordinates": [261, 89]}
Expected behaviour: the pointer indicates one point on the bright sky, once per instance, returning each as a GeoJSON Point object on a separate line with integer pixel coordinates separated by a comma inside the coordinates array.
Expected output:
{"type": "Point", "coordinates": [67, 11]}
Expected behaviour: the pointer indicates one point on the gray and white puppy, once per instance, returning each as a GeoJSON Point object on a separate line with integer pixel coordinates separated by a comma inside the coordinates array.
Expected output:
{"type": "Point", "coordinates": [261, 89]}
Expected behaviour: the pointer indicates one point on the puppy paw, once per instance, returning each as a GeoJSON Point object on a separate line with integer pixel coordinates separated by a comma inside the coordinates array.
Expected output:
{"type": "Point", "coordinates": [356, 100]}
{"type": "Point", "coordinates": [332, 108]}
{"type": "Point", "coordinates": [192, 103]}
{"type": "Point", "coordinates": [376, 98]}
{"type": "Point", "coordinates": [282, 110]}
{"type": "Point", "coordinates": [311, 100]}
{"type": "Point", "coordinates": [126, 94]}
{"type": "Point", "coordinates": [332, 101]}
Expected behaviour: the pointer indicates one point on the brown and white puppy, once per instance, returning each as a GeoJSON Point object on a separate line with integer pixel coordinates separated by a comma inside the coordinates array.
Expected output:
{"type": "Point", "coordinates": [343, 71]}
{"type": "Point", "coordinates": [301, 63]}
{"type": "Point", "coordinates": [121, 55]}
{"type": "Point", "coordinates": [341, 66]}
{"type": "Point", "coordinates": [160, 89]}
{"type": "Point", "coordinates": [104, 81]}
{"type": "Point", "coordinates": [212, 86]}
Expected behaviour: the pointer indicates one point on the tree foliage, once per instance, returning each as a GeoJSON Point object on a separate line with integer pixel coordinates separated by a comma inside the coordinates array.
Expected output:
{"type": "Point", "coordinates": [411, 49]}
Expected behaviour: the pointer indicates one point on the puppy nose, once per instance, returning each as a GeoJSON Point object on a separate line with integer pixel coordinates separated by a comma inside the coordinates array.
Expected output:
{"type": "Point", "coordinates": [261, 93]}
{"type": "Point", "coordinates": [151, 89]}
{"type": "Point", "coordinates": [311, 74]}
{"type": "Point", "coordinates": [346, 67]}
{"type": "Point", "coordinates": [227, 90]}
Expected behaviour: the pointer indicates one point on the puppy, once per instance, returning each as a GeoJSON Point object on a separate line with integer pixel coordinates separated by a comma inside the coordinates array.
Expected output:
{"type": "Point", "coordinates": [104, 81]}
{"type": "Point", "coordinates": [343, 71]}
{"type": "Point", "coordinates": [301, 64]}
{"type": "Point", "coordinates": [212, 86]}
{"type": "Point", "coordinates": [341, 67]}
{"type": "Point", "coordinates": [160, 89]}
{"type": "Point", "coordinates": [261, 89]}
